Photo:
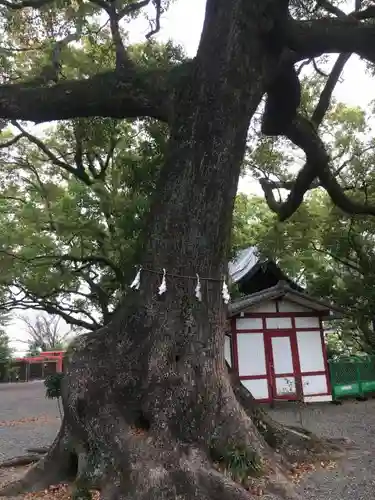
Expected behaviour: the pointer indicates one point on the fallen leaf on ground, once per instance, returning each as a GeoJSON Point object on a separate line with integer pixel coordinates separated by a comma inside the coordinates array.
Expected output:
{"type": "Point", "coordinates": [55, 492]}
{"type": "Point", "coordinates": [29, 420]}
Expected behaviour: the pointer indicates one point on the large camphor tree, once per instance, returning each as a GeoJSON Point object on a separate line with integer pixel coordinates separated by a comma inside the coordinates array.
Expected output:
{"type": "Point", "coordinates": [150, 411]}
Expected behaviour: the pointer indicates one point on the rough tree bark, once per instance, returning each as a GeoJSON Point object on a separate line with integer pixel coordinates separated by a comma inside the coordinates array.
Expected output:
{"type": "Point", "coordinates": [147, 399]}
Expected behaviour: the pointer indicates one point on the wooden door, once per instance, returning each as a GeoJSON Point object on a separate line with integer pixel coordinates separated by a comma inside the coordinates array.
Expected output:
{"type": "Point", "coordinates": [281, 356]}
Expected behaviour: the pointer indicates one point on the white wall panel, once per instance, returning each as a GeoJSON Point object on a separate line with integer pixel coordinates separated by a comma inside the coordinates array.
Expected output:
{"type": "Point", "coordinates": [249, 324]}
{"type": "Point", "coordinates": [278, 323]}
{"type": "Point", "coordinates": [285, 385]}
{"type": "Point", "coordinates": [288, 306]}
{"type": "Point", "coordinates": [317, 399]}
{"type": "Point", "coordinates": [314, 384]}
{"type": "Point", "coordinates": [228, 350]}
{"type": "Point", "coordinates": [310, 351]}
{"type": "Point", "coordinates": [282, 355]}
{"type": "Point", "coordinates": [264, 307]}
{"type": "Point", "coordinates": [258, 388]}
{"type": "Point", "coordinates": [308, 322]}
{"type": "Point", "coordinates": [251, 354]}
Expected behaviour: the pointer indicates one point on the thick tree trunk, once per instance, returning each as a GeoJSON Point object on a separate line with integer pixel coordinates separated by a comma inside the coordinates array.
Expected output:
{"type": "Point", "coordinates": [147, 398]}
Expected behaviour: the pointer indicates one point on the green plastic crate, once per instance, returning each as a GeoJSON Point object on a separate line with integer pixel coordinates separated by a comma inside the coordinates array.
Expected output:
{"type": "Point", "coordinates": [368, 386]}
{"type": "Point", "coordinates": [341, 391]}
{"type": "Point", "coordinates": [352, 377]}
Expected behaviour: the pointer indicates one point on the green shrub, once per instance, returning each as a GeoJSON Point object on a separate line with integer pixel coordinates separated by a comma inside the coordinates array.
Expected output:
{"type": "Point", "coordinates": [52, 384]}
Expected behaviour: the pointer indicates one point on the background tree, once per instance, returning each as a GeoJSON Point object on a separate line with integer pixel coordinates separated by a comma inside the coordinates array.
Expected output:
{"type": "Point", "coordinates": [150, 388]}
{"type": "Point", "coordinates": [68, 247]}
{"type": "Point", "coordinates": [45, 333]}
{"type": "Point", "coordinates": [327, 253]}
{"type": "Point", "coordinates": [72, 203]}
{"type": "Point", "coordinates": [5, 348]}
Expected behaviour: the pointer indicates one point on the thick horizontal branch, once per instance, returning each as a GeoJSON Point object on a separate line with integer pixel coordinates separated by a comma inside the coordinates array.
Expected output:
{"type": "Point", "coordinates": [127, 94]}
{"type": "Point", "coordinates": [329, 35]}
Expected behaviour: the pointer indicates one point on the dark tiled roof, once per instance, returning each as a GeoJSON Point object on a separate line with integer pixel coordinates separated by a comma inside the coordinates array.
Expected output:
{"type": "Point", "coordinates": [282, 289]}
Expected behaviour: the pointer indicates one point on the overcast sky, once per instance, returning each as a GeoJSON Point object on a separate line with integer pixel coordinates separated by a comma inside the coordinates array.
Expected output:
{"type": "Point", "coordinates": [183, 24]}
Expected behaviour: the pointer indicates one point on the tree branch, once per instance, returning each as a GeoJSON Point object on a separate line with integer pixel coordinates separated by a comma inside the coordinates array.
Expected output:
{"type": "Point", "coordinates": [318, 70]}
{"type": "Point", "coordinates": [122, 59]}
{"type": "Point", "coordinates": [11, 142]}
{"type": "Point", "coordinates": [104, 165]}
{"type": "Point", "coordinates": [125, 11]}
{"type": "Point", "coordinates": [35, 4]}
{"type": "Point", "coordinates": [156, 28]}
{"type": "Point", "coordinates": [133, 93]}
{"type": "Point", "coordinates": [121, 54]}
{"type": "Point", "coordinates": [344, 262]}
{"type": "Point", "coordinates": [79, 173]}
{"type": "Point", "coordinates": [43, 302]}
{"type": "Point", "coordinates": [368, 13]}
{"type": "Point", "coordinates": [326, 95]}
{"type": "Point", "coordinates": [331, 35]}
{"type": "Point", "coordinates": [29, 302]}
{"type": "Point", "coordinates": [51, 71]}
{"type": "Point", "coordinates": [302, 134]}
{"type": "Point", "coordinates": [318, 165]}
{"type": "Point", "coordinates": [101, 296]}
{"type": "Point", "coordinates": [55, 260]}
{"type": "Point", "coordinates": [331, 9]}
{"type": "Point", "coordinates": [338, 196]}
{"type": "Point", "coordinates": [114, 17]}
{"type": "Point", "coordinates": [310, 142]}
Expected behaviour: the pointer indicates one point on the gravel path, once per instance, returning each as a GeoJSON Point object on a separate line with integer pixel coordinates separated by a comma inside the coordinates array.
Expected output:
{"type": "Point", "coordinates": [354, 479]}
{"type": "Point", "coordinates": [27, 418]}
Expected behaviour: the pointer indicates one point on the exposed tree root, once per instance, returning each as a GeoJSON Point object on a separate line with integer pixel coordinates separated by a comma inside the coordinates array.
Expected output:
{"type": "Point", "coordinates": [40, 451]}
{"type": "Point", "coordinates": [34, 455]}
{"type": "Point", "coordinates": [19, 461]}
{"type": "Point", "coordinates": [149, 466]}
{"type": "Point", "coordinates": [56, 467]}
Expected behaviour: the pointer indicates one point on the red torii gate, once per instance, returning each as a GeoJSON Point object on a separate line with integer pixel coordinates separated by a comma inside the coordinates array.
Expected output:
{"type": "Point", "coordinates": [45, 357]}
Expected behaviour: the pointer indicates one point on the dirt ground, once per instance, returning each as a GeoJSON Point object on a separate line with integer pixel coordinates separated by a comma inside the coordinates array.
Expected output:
{"type": "Point", "coordinates": [28, 419]}
{"type": "Point", "coordinates": [354, 477]}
